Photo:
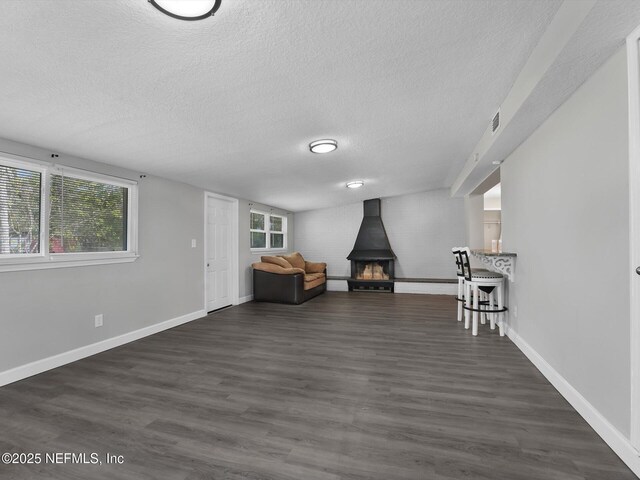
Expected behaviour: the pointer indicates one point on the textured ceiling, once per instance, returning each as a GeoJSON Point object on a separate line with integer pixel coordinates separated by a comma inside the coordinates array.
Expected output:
{"type": "Point", "coordinates": [230, 103]}
{"type": "Point", "coordinates": [601, 34]}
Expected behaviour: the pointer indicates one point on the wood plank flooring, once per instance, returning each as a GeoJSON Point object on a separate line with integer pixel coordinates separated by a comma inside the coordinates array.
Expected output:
{"type": "Point", "coordinates": [346, 386]}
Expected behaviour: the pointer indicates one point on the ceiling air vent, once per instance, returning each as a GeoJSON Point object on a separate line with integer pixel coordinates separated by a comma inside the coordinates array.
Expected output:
{"type": "Point", "coordinates": [495, 123]}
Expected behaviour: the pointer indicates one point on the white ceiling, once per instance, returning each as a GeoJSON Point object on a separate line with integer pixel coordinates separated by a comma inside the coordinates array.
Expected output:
{"type": "Point", "coordinates": [230, 103]}
{"type": "Point", "coordinates": [600, 34]}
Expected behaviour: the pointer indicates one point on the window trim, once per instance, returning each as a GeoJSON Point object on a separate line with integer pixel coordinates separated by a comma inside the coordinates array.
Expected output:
{"type": "Point", "coordinates": [267, 231]}
{"type": "Point", "coordinates": [44, 259]}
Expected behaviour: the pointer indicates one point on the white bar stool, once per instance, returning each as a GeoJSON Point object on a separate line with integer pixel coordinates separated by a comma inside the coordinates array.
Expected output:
{"type": "Point", "coordinates": [476, 282]}
{"type": "Point", "coordinates": [460, 273]}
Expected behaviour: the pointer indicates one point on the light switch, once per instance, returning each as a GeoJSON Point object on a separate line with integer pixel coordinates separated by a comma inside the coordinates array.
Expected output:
{"type": "Point", "coordinates": [193, 243]}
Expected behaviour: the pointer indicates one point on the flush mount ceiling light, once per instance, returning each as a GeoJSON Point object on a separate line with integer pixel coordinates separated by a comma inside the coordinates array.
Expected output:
{"type": "Point", "coordinates": [323, 146]}
{"type": "Point", "coordinates": [187, 9]}
{"type": "Point", "coordinates": [355, 184]}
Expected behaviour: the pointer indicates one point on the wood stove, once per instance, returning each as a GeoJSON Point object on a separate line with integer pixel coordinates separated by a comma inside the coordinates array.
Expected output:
{"type": "Point", "coordinates": [372, 260]}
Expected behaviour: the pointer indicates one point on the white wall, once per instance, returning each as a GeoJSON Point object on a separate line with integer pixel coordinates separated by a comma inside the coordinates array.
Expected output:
{"type": "Point", "coordinates": [492, 227]}
{"type": "Point", "coordinates": [474, 221]}
{"type": "Point", "coordinates": [49, 312]}
{"type": "Point", "coordinates": [421, 227]}
{"type": "Point", "coordinates": [565, 213]}
{"type": "Point", "coordinates": [327, 235]}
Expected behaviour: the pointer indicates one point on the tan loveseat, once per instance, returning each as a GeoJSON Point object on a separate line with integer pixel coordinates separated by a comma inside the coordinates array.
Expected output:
{"type": "Point", "coordinates": [288, 279]}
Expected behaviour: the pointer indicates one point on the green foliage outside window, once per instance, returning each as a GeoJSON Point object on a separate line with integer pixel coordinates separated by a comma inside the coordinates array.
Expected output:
{"type": "Point", "coordinates": [19, 211]}
{"type": "Point", "coordinates": [276, 223]}
{"type": "Point", "coordinates": [257, 221]}
{"type": "Point", "coordinates": [267, 230]}
{"type": "Point", "coordinates": [85, 216]}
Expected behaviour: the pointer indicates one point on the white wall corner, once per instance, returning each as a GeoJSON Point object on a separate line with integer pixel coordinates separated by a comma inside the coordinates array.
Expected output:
{"type": "Point", "coordinates": [245, 299]}
{"type": "Point", "coordinates": [337, 286]}
{"type": "Point", "coordinates": [24, 371]}
{"type": "Point", "coordinates": [633, 69]}
{"type": "Point", "coordinates": [610, 434]}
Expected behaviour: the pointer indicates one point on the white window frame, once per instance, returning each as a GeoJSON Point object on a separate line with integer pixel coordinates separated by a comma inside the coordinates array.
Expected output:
{"type": "Point", "coordinates": [45, 259]}
{"type": "Point", "coordinates": [267, 231]}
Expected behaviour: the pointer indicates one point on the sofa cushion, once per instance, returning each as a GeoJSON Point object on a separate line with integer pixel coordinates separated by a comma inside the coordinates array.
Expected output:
{"type": "Point", "coordinates": [314, 283]}
{"type": "Point", "coordinates": [276, 261]}
{"type": "Point", "coordinates": [295, 259]}
{"type": "Point", "coordinates": [315, 267]}
{"type": "Point", "coordinates": [310, 277]}
{"type": "Point", "coordinates": [272, 268]}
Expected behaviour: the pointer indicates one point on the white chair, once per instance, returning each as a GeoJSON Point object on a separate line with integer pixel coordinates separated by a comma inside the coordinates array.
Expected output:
{"type": "Point", "coordinates": [460, 273]}
{"type": "Point", "coordinates": [476, 283]}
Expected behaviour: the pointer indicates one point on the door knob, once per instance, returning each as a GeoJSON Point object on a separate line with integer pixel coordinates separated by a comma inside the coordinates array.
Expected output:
{"type": "Point", "coordinates": [638, 270]}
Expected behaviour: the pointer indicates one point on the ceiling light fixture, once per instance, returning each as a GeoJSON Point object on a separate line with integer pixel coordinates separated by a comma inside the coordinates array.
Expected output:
{"type": "Point", "coordinates": [355, 184]}
{"type": "Point", "coordinates": [323, 146]}
{"type": "Point", "coordinates": [187, 9]}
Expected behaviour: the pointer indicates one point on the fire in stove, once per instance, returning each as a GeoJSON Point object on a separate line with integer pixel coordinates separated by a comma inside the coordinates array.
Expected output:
{"type": "Point", "coordinates": [371, 271]}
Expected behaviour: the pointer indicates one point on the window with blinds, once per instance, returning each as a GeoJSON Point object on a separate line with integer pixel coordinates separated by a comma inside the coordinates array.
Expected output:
{"type": "Point", "coordinates": [87, 216]}
{"type": "Point", "coordinates": [20, 210]}
{"type": "Point", "coordinates": [53, 216]}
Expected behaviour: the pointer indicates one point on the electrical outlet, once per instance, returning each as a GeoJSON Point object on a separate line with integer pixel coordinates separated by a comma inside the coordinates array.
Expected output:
{"type": "Point", "coordinates": [99, 319]}
{"type": "Point", "coordinates": [193, 243]}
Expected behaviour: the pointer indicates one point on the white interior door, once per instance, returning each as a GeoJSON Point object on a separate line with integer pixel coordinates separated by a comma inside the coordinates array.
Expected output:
{"type": "Point", "coordinates": [633, 57]}
{"type": "Point", "coordinates": [219, 253]}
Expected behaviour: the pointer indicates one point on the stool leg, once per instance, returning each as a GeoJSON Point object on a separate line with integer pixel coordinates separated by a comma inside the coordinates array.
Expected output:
{"type": "Point", "coordinates": [467, 301]}
{"type": "Point", "coordinates": [474, 326]}
{"type": "Point", "coordinates": [487, 316]}
{"type": "Point", "coordinates": [500, 307]}
{"type": "Point", "coordinates": [492, 316]}
{"type": "Point", "coordinates": [460, 295]}
{"type": "Point", "coordinates": [483, 316]}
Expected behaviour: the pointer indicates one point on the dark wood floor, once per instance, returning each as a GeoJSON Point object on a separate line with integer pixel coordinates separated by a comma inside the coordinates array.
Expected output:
{"type": "Point", "coordinates": [346, 386]}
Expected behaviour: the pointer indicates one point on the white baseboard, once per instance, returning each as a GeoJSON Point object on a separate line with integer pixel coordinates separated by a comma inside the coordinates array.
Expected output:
{"type": "Point", "coordinates": [426, 288]}
{"type": "Point", "coordinates": [49, 363]}
{"type": "Point", "coordinates": [612, 437]}
{"type": "Point", "coordinates": [245, 299]}
{"type": "Point", "coordinates": [337, 286]}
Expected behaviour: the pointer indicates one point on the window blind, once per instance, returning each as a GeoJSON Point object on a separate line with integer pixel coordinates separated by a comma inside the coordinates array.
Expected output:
{"type": "Point", "coordinates": [19, 210]}
{"type": "Point", "coordinates": [87, 216]}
